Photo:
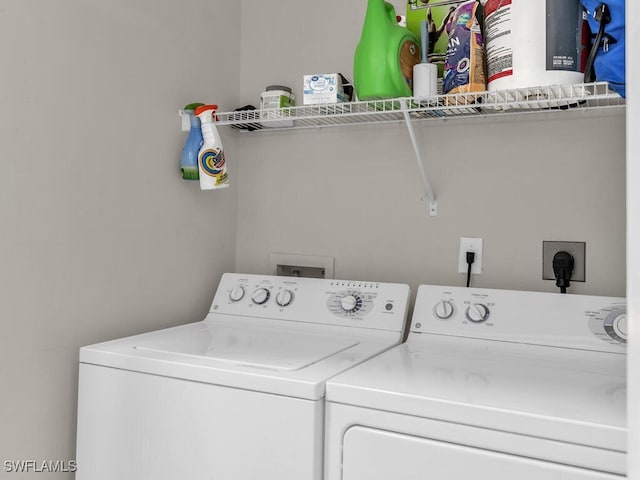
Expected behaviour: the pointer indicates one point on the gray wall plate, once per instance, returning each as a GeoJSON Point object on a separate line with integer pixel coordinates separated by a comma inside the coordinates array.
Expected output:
{"type": "Point", "coordinates": [576, 249]}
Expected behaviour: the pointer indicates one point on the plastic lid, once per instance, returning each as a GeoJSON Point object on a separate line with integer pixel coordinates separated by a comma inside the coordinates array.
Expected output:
{"type": "Point", "coordinates": [278, 87]}
{"type": "Point", "coordinates": [204, 108]}
{"type": "Point", "coordinates": [192, 106]}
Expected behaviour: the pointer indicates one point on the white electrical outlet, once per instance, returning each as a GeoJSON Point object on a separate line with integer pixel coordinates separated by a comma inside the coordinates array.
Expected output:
{"type": "Point", "coordinates": [468, 244]}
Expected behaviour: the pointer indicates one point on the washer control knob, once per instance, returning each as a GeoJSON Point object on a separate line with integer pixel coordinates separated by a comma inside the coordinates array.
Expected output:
{"type": "Point", "coordinates": [284, 298]}
{"type": "Point", "coordinates": [236, 294]}
{"type": "Point", "coordinates": [260, 296]}
{"type": "Point", "coordinates": [443, 310]}
{"type": "Point", "coordinates": [351, 303]}
{"type": "Point", "coordinates": [477, 313]}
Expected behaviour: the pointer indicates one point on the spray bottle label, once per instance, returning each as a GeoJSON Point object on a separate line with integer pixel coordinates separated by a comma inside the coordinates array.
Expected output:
{"type": "Point", "coordinates": [212, 161]}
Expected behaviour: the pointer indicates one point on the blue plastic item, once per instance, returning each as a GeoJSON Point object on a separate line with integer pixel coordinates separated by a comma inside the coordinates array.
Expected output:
{"type": "Point", "coordinates": [189, 162]}
{"type": "Point", "coordinates": [606, 61]}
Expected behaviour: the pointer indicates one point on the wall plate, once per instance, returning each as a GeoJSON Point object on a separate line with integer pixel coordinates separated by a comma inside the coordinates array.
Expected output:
{"type": "Point", "coordinates": [576, 249]}
{"type": "Point", "coordinates": [300, 265]}
{"type": "Point", "coordinates": [470, 244]}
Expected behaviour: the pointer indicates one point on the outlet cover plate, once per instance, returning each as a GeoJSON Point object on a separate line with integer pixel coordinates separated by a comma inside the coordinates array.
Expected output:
{"type": "Point", "coordinates": [284, 264]}
{"type": "Point", "coordinates": [470, 244]}
{"type": "Point", "coordinates": [577, 249]}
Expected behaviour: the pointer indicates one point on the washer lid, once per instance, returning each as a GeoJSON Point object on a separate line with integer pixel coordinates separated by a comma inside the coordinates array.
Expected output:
{"type": "Point", "coordinates": [260, 347]}
{"type": "Point", "coordinates": [284, 358]}
{"type": "Point", "coordinates": [568, 395]}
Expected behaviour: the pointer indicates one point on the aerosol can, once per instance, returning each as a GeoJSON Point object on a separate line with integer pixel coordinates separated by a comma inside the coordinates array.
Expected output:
{"type": "Point", "coordinates": [211, 161]}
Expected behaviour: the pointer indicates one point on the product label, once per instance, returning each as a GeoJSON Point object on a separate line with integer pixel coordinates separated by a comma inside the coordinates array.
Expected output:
{"type": "Point", "coordinates": [222, 179]}
{"type": "Point", "coordinates": [498, 39]}
{"type": "Point", "coordinates": [566, 39]}
{"type": "Point", "coordinates": [437, 13]}
{"type": "Point", "coordinates": [409, 56]}
{"type": "Point", "coordinates": [212, 161]}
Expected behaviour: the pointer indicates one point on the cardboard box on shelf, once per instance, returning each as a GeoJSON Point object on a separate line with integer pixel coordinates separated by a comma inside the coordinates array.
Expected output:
{"type": "Point", "coordinates": [326, 88]}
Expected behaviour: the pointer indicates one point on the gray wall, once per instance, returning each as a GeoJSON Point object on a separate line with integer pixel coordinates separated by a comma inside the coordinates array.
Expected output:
{"type": "Point", "coordinates": [355, 193]}
{"type": "Point", "coordinates": [100, 237]}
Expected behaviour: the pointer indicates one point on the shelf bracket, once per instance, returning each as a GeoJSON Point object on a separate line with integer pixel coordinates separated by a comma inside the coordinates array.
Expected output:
{"type": "Point", "coordinates": [433, 204]}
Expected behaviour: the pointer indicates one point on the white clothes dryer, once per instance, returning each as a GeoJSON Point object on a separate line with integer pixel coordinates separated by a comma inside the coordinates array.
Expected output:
{"type": "Point", "coordinates": [239, 395]}
{"type": "Point", "coordinates": [490, 384]}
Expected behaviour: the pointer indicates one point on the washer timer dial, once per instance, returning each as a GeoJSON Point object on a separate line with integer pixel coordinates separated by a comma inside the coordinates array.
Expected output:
{"type": "Point", "coordinates": [350, 303]}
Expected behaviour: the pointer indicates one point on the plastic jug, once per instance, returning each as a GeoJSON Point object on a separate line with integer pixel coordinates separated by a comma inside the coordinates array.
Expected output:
{"type": "Point", "coordinates": [385, 56]}
{"type": "Point", "coordinates": [189, 161]}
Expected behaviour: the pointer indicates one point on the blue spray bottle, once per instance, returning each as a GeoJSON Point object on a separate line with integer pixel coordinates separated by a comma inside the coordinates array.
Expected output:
{"type": "Point", "coordinates": [189, 162]}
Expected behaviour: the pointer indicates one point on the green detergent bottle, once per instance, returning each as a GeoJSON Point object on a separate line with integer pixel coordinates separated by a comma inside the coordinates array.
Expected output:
{"type": "Point", "coordinates": [384, 58]}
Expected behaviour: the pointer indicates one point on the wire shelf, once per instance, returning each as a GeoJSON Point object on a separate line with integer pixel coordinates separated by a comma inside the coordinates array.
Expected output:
{"type": "Point", "coordinates": [522, 100]}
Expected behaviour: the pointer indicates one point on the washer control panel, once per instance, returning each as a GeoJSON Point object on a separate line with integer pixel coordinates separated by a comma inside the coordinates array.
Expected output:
{"type": "Point", "coordinates": [572, 321]}
{"type": "Point", "coordinates": [339, 302]}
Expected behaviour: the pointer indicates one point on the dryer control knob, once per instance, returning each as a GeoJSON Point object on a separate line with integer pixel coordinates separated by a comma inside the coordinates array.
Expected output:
{"type": "Point", "coordinates": [284, 298]}
{"type": "Point", "coordinates": [477, 313]}
{"type": "Point", "coordinates": [260, 296]}
{"type": "Point", "coordinates": [616, 325]}
{"type": "Point", "coordinates": [443, 310]}
{"type": "Point", "coordinates": [236, 294]}
{"type": "Point", "coordinates": [351, 303]}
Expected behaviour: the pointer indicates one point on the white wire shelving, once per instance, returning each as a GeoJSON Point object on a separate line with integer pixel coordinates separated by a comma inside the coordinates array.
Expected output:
{"type": "Point", "coordinates": [522, 100]}
{"type": "Point", "coordinates": [441, 107]}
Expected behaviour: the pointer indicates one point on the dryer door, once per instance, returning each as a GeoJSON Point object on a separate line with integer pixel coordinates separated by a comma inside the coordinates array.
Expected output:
{"type": "Point", "coordinates": [371, 454]}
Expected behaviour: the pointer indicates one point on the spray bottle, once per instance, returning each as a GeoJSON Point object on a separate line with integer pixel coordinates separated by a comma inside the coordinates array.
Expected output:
{"type": "Point", "coordinates": [189, 161]}
{"type": "Point", "coordinates": [211, 161]}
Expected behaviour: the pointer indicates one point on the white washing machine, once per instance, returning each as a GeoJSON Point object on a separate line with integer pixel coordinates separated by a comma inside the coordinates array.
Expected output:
{"type": "Point", "coordinates": [238, 396]}
{"type": "Point", "coordinates": [491, 384]}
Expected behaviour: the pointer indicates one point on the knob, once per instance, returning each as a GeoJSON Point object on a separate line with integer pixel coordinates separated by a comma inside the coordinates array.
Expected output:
{"type": "Point", "coordinates": [616, 325]}
{"type": "Point", "coordinates": [260, 296]}
{"type": "Point", "coordinates": [477, 312]}
{"type": "Point", "coordinates": [443, 310]}
{"type": "Point", "coordinates": [284, 298]}
{"type": "Point", "coordinates": [620, 325]}
{"type": "Point", "coordinates": [236, 294]}
{"type": "Point", "coordinates": [350, 303]}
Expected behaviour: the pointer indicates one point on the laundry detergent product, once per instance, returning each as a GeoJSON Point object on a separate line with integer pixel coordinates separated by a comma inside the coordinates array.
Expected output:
{"type": "Point", "coordinates": [437, 14]}
{"type": "Point", "coordinates": [464, 66]}
{"type": "Point", "coordinates": [189, 161]}
{"type": "Point", "coordinates": [211, 161]}
{"type": "Point", "coordinates": [532, 43]}
{"type": "Point", "coordinates": [385, 56]}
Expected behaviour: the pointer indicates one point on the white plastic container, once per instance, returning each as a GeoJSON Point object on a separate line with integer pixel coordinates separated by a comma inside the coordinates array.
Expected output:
{"type": "Point", "coordinates": [211, 162]}
{"type": "Point", "coordinates": [272, 101]}
{"type": "Point", "coordinates": [533, 43]}
{"type": "Point", "coordinates": [425, 80]}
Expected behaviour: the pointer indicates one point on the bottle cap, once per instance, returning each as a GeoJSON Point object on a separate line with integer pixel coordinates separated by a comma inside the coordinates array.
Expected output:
{"type": "Point", "coordinates": [192, 106]}
{"type": "Point", "coordinates": [278, 87]}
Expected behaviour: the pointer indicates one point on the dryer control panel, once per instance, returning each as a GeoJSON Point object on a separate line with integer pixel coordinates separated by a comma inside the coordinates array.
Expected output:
{"type": "Point", "coordinates": [538, 318]}
{"type": "Point", "coordinates": [364, 304]}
